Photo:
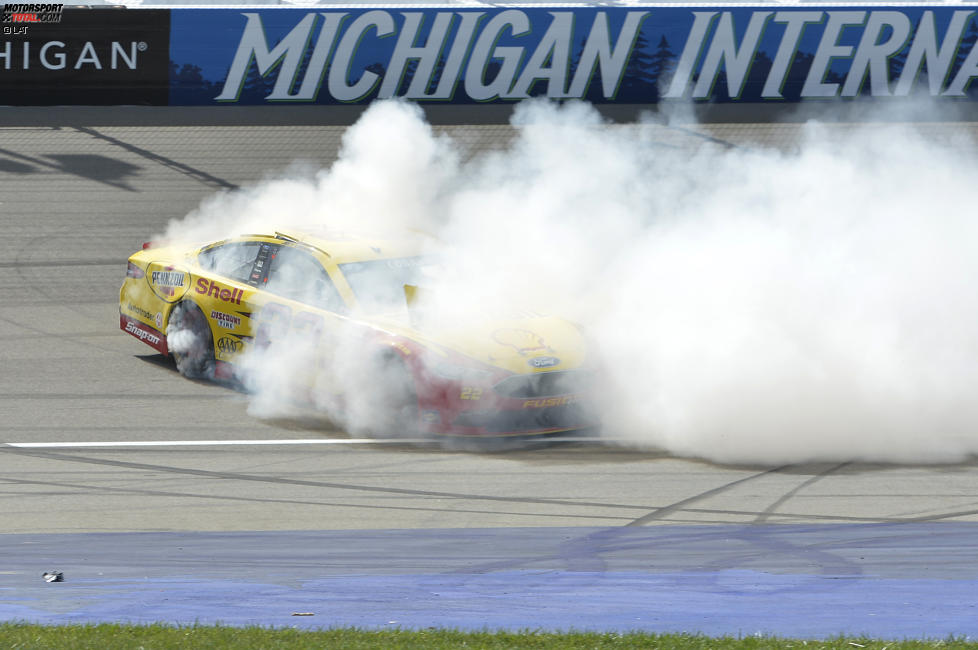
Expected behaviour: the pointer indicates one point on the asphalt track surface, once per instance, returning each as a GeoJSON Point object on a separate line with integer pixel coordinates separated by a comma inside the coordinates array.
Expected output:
{"type": "Point", "coordinates": [161, 499]}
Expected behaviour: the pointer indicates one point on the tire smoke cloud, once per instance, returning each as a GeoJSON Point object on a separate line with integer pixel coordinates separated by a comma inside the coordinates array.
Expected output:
{"type": "Point", "coordinates": [748, 305]}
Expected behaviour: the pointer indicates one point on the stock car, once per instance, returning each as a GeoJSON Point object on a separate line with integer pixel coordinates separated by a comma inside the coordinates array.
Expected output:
{"type": "Point", "coordinates": [209, 307]}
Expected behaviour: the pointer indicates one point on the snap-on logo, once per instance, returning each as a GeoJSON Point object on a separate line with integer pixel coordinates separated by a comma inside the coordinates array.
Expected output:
{"type": "Point", "coordinates": [141, 334]}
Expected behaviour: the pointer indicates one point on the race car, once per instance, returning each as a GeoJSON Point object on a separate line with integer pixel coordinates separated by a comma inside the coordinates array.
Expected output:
{"type": "Point", "coordinates": [218, 307]}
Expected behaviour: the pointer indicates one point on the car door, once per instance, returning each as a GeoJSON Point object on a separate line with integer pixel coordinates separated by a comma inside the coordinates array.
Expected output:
{"type": "Point", "coordinates": [228, 291]}
{"type": "Point", "coordinates": [301, 299]}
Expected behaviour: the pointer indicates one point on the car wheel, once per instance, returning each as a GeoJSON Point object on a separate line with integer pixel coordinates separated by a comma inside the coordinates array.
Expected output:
{"type": "Point", "coordinates": [388, 403]}
{"type": "Point", "coordinates": [191, 342]}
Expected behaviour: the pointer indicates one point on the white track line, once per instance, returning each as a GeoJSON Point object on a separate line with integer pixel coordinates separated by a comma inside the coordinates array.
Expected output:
{"type": "Point", "coordinates": [228, 443]}
{"type": "Point", "coordinates": [209, 443]}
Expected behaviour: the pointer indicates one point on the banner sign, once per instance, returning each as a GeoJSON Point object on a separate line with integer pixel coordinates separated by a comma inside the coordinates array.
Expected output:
{"type": "Point", "coordinates": [606, 55]}
{"type": "Point", "coordinates": [50, 55]}
{"type": "Point", "coordinates": [638, 55]}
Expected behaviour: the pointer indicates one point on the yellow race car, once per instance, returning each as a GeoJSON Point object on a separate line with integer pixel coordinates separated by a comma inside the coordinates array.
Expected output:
{"type": "Point", "coordinates": [218, 307]}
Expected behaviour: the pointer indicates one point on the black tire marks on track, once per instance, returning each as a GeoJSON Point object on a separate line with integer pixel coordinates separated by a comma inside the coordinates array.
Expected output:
{"type": "Point", "coordinates": [664, 511]}
{"type": "Point", "coordinates": [772, 509]}
{"type": "Point", "coordinates": [203, 473]}
{"type": "Point", "coordinates": [759, 540]}
{"type": "Point", "coordinates": [654, 515]}
{"type": "Point", "coordinates": [97, 489]}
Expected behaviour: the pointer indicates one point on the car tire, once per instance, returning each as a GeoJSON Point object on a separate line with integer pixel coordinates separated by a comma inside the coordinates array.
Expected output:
{"type": "Point", "coordinates": [394, 397]}
{"type": "Point", "coordinates": [191, 341]}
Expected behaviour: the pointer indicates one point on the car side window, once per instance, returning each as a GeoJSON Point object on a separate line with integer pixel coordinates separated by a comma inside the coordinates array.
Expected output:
{"type": "Point", "coordinates": [233, 260]}
{"type": "Point", "coordinates": [297, 275]}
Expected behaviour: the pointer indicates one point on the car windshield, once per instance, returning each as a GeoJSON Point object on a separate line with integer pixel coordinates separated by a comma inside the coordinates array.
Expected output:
{"type": "Point", "coordinates": [379, 284]}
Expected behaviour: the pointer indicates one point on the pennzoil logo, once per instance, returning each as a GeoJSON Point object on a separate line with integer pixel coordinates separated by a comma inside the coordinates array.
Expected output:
{"type": "Point", "coordinates": [166, 283]}
{"type": "Point", "coordinates": [31, 13]}
{"type": "Point", "coordinates": [168, 278]}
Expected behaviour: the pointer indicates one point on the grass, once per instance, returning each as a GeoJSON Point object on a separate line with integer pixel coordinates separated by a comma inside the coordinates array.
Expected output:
{"type": "Point", "coordinates": [16, 636]}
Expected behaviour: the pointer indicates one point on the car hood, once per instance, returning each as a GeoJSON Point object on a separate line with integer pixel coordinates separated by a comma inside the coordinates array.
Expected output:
{"type": "Point", "coordinates": [518, 345]}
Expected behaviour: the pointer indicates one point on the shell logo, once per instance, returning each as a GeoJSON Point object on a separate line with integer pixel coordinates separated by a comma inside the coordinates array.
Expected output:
{"type": "Point", "coordinates": [525, 342]}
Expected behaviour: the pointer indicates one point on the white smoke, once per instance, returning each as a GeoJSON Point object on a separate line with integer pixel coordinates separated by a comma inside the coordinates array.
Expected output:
{"type": "Point", "coordinates": [389, 176]}
{"type": "Point", "coordinates": [748, 305]}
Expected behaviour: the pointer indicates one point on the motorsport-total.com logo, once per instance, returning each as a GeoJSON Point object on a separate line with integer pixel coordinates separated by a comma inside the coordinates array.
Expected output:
{"type": "Point", "coordinates": [16, 17]}
{"type": "Point", "coordinates": [31, 13]}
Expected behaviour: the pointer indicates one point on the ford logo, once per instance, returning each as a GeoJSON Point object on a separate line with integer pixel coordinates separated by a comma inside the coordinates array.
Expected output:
{"type": "Point", "coordinates": [544, 362]}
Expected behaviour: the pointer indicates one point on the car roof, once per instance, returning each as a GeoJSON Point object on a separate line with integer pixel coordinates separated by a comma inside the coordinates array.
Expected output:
{"type": "Point", "coordinates": [342, 247]}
